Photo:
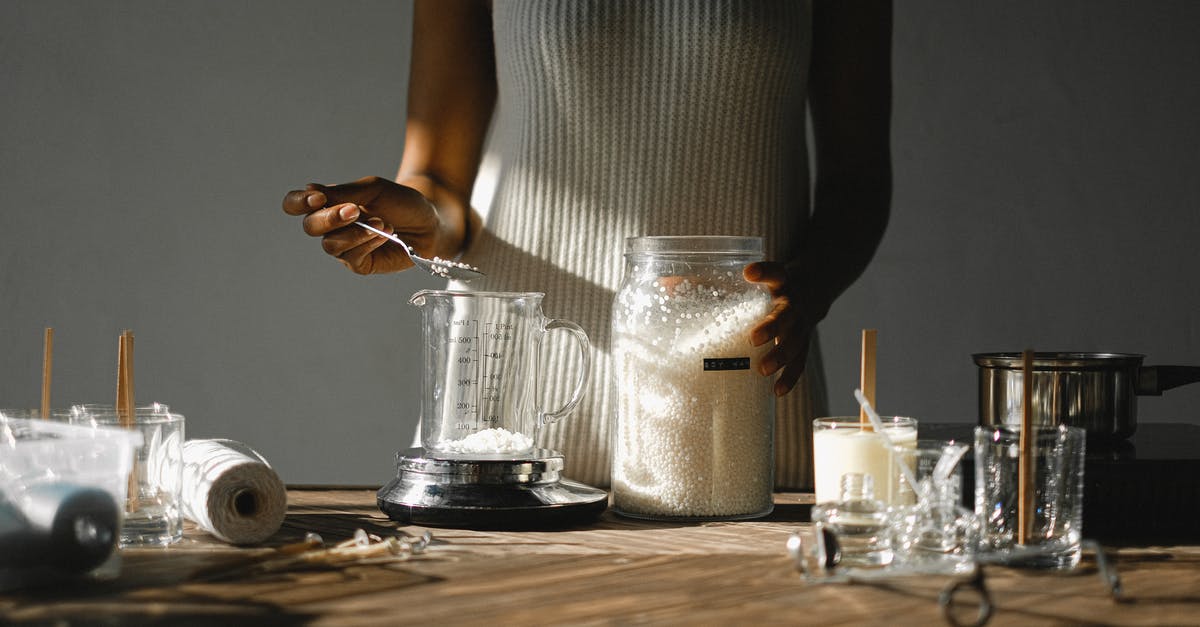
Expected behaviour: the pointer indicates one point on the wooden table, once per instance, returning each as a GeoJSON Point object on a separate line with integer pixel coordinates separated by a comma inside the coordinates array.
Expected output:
{"type": "Point", "coordinates": [613, 571]}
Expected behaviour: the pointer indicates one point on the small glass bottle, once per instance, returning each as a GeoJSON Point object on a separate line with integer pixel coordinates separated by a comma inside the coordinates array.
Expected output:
{"type": "Point", "coordinates": [860, 522]}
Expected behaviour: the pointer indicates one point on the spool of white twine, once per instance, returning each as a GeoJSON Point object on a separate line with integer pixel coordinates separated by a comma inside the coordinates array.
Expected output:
{"type": "Point", "coordinates": [230, 491]}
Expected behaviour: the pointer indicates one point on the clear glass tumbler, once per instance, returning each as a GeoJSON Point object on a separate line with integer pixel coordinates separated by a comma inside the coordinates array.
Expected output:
{"type": "Point", "coordinates": [931, 531]}
{"type": "Point", "coordinates": [153, 515]}
{"type": "Point", "coordinates": [1055, 516]}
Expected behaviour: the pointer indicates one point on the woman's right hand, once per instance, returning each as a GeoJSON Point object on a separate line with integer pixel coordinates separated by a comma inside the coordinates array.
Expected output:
{"type": "Point", "coordinates": [329, 212]}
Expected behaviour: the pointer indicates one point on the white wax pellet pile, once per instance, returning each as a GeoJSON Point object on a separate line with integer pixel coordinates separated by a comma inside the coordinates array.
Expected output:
{"type": "Point", "coordinates": [690, 442]}
{"type": "Point", "coordinates": [440, 266]}
{"type": "Point", "coordinates": [498, 440]}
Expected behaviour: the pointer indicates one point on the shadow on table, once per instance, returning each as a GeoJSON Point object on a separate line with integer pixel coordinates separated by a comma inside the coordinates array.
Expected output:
{"type": "Point", "coordinates": [790, 513]}
{"type": "Point", "coordinates": [332, 527]}
{"type": "Point", "coordinates": [158, 590]}
{"type": "Point", "coordinates": [97, 605]}
{"type": "Point", "coordinates": [134, 615]}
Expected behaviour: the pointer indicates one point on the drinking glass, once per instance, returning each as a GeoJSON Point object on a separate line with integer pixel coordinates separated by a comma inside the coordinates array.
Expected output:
{"type": "Point", "coordinates": [1056, 517]}
{"type": "Point", "coordinates": [152, 508]}
{"type": "Point", "coordinates": [931, 531]}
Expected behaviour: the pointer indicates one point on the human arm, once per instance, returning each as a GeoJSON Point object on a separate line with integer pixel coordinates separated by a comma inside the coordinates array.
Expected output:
{"type": "Point", "coordinates": [850, 108]}
{"type": "Point", "coordinates": [451, 96]}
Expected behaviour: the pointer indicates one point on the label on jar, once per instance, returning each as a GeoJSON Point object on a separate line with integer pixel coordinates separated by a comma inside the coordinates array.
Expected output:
{"type": "Point", "coordinates": [726, 363]}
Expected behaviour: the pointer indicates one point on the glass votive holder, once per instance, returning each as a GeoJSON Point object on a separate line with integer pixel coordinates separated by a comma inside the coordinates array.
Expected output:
{"type": "Point", "coordinates": [843, 445]}
{"type": "Point", "coordinates": [79, 412]}
{"type": "Point", "coordinates": [27, 413]}
{"type": "Point", "coordinates": [931, 531]}
{"type": "Point", "coordinates": [153, 515]}
{"type": "Point", "coordinates": [1055, 508]}
{"type": "Point", "coordinates": [923, 459]}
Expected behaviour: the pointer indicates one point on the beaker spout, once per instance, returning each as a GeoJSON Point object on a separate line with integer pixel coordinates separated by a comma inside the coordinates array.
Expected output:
{"type": "Point", "coordinates": [418, 299]}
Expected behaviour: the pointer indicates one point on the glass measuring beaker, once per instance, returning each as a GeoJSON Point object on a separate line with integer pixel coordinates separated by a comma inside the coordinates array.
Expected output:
{"type": "Point", "coordinates": [481, 357]}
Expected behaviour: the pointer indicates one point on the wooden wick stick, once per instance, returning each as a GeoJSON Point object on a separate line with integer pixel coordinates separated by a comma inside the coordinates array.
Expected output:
{"type": "Point", "coordinates": [125, 407]}
{"type": "Point", "coordinates": [120, 373]}
{"type": "Point", "coordinates": [47, 370]}
{"type": "Point", "coordinates": [120, 401]}
{"type": "Point", "coordinates": [130, 406]}
{"type": "Point", "coordinates": [1025, 467]}
{"type": "Point", "coordinates": [866, 376]}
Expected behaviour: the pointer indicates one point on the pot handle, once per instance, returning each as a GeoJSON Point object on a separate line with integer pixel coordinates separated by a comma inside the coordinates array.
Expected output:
{"type": "Point", "coordinates": [1153, 380]}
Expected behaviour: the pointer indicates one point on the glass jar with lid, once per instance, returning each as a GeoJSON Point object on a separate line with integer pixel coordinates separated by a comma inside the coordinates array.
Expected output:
{"type": "Point", "coordinates": [694, 436]}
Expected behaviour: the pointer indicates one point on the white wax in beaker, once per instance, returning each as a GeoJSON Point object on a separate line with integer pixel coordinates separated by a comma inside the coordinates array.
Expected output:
{"type": "Point", "coordinates": [489, 441]}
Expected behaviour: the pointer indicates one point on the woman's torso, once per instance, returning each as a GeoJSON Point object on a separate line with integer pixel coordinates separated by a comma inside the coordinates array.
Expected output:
{"type": "Point", "coordinates": [628, 118]}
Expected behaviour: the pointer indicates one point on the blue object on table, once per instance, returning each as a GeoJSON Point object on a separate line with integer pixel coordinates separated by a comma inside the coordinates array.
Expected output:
{"type": "Point", "coordinates": [59, 527]}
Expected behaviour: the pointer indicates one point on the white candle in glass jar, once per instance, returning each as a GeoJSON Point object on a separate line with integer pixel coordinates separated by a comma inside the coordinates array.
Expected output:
{"type": "Point", "coordinates": [841, 445]}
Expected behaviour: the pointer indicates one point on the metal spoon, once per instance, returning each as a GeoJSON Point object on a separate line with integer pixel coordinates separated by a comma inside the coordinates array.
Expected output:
{"type": "Point", "coordinates": [437, 266]}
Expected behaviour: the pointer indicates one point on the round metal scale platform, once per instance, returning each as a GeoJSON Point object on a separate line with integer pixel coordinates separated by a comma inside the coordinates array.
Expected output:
{"type": "Point", "coordinates": [487, 492]}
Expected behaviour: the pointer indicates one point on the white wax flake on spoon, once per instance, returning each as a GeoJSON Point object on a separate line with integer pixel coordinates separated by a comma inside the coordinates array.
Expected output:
{"type": "Point", "coordinates": [437, 266]}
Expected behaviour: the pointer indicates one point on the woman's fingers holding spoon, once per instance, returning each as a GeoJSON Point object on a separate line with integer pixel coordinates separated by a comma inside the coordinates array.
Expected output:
{"type": "Point", "coordinates": [300, 202]}
{"type": "Point", "coordinates": [315, 197]}
{"type": "Point", "coordinates": [359, 250]}
{"type": "Point", "coordinates": [337, 241]}
{"type": "Point", "coordinates": [363, 258]}
{"type": "Point", "coordinates": [340, 241]}
{"type": "Point", "coordinates": [328, 219]}
{"type": "Point", "coordinates": [371, 191]}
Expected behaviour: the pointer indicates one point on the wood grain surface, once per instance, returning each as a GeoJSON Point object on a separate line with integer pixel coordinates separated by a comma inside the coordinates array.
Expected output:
{"type": "Point", "coordinates": [615, 571]}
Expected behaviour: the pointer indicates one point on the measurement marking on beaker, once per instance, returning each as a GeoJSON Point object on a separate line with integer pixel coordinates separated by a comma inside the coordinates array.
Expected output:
{"type": "Point", "coordinates": [475, 347]}
{"type": "Point", "coordinates": [478, 392]}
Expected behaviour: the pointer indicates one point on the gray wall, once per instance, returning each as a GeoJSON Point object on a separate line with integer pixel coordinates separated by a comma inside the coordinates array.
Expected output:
{"type": "Point", "coordinates": [1047, 195]}
{"type": "Point", "coordinates": [146, 148]}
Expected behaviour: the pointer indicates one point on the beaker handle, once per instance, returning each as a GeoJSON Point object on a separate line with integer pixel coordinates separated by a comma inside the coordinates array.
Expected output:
{"type": "Point", "coordinates": [585, 369]}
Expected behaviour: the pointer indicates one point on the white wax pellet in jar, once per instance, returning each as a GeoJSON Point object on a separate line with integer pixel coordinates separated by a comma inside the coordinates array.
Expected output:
{"type": "Point", "coordinates": [695, 417]}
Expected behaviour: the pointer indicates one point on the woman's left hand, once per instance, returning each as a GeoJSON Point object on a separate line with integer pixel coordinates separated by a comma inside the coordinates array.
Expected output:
{"type": "Point", "coordinates": [787, 324]}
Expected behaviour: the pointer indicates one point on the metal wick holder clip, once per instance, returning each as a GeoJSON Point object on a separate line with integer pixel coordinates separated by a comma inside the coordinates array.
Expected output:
{"type": "Point", "coordinates": [816, 553]}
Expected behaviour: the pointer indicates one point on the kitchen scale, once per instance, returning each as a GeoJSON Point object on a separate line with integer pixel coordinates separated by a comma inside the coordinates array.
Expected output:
{"type": "Point", "coordinates": [519, 491]}
{"type": "Point", "coordinates": [476, 466]}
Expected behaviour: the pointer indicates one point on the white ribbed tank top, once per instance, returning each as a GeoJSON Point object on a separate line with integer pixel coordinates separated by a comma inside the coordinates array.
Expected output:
{"type": "Point", "coordinates": [634, 117]}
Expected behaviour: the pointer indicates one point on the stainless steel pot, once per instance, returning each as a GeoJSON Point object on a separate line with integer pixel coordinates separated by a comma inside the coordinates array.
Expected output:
{"type": "Point", "coordinates": [1096, 391]}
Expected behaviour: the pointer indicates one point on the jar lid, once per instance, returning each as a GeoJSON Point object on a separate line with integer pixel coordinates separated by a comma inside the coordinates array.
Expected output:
{"type": "Point", "coordinates": [709, 244]}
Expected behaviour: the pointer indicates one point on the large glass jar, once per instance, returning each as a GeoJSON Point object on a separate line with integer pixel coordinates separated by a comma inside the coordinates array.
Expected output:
{"type": "Point", "coordinates": [694, 437]}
